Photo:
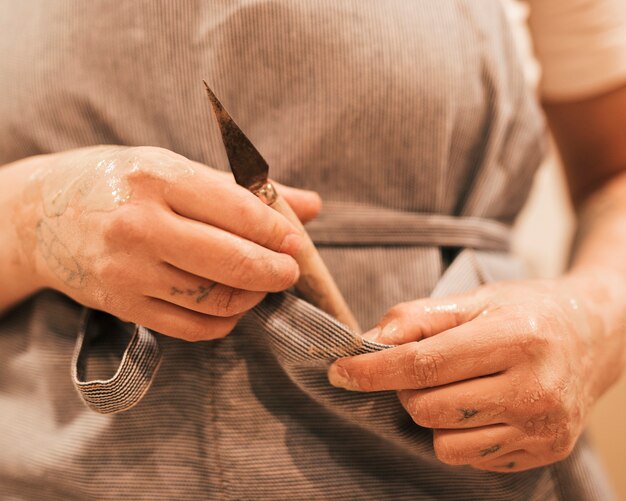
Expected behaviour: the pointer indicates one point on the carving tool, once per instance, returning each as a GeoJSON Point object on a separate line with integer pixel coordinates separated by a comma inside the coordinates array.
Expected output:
{"type": "Point", "coordinates": [251, 171]}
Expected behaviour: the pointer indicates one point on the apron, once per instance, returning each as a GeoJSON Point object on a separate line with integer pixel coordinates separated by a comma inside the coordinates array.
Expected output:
{"type": "Point", "coordinates": [410, 118]}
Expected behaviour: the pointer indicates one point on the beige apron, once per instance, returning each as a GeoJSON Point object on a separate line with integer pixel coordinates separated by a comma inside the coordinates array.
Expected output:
{"type": "Point", "coordinates": [412, 120]}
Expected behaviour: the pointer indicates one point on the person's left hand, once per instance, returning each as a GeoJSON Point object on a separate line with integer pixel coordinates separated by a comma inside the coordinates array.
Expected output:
{"type": "Point", "coordinates": [505, 375]}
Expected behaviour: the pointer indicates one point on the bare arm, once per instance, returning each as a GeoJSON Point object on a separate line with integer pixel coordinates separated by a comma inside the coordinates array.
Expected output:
{"type": "Point", "coordinates": [591, 136]}
{"type": "Point", "coordinates": [19, 276]}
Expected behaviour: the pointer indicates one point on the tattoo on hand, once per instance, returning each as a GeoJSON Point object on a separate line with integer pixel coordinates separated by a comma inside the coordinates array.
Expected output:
{"type": "Point", "coordinates": [59, 258]}
{"type": "Point", "coordinates": [200, 293]}
{"type": "Point", "coordinates": [467, 413]}
{"type": "Point", "coordinates": [490, 450]}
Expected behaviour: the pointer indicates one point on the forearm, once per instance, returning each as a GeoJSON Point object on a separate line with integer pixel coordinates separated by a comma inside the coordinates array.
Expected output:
{"type": "Point", "coordinates": [591, 140]}
{"type": "Point", "coordinates": [598, 277]}
{"type": "Point", "coordinates": [600, 242]}
{"type": "Point", "coordinates": [17, 234]}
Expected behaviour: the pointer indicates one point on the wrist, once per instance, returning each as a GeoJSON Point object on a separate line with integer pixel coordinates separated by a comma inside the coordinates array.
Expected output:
{"type": "Point", "coordinates": [597, 285]}
{"type": "Point", "coordinates": [599, 295]}
{"type": "Point", "coordinates": [18, 223]}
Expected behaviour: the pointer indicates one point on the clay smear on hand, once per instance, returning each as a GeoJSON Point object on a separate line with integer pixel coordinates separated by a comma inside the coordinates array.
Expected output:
{"type": "Point", "coordinates": [68, 186]}
{"type": "Point", "coordinates": [98, 178]}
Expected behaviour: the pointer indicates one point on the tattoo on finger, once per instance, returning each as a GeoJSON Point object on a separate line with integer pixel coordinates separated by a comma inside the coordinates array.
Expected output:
{"type": "Point", "coordinates": [467, 413]}
{"type": "Point", "coordinates": [200, 293]}
{"type": "Point", "coordinates": [490, 450]}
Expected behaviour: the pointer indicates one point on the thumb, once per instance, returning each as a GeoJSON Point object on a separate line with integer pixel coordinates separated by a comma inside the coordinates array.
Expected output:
{"type": "Point", "coordinates": [305, 203]}
{"type": "Point", "coordinates": [416, 320]}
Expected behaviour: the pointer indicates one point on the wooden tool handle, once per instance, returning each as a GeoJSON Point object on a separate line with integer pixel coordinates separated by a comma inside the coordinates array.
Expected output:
{"type": "Point", "coordinates": [316, 283]}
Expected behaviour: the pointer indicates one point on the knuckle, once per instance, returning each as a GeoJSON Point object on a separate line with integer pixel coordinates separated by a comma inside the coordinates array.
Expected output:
{"type": "Point", "coordinates": [423, 412]}
{"type": "Point", "coordinates": [541, 418]}
{"type": "Point", "coordinates": [554, 425]}
{"type": "Point", "coordinates": [536, 425]}
{"type": "Point", "coordinates": [565, 439]}
{"type": "Point", "coordinates": [240, 264]}
{"type": "Point", "coordinates": [424, 368]}
{"type": "Point", "coordinates": [552, 403]}
{"type": "Point", "coordinates": [276, 233]}
{"type": "Point", "coordinates": [447, 453]}
{"type": "Point", "coordinates": [558, 443]}
{"type": "Point", "coordinates": [126, 225]}
{"type": "Point", "coordinates": [553, 398]}
{"type": "Point", "coordinates": [530, 427]}
{"type": "Point", "coordinates": [227, 301]}
{"type": "Point", "coordinates": [365, 381]}
{"type": "Point", "coordinates": [248, 268]}
{"type": "Point", "coordinates": [531, 332]}
{"type": "Point", "coordinates": [248, 210]}
{"type": "Point", "coordinates": [291, 274]}
{"type": "Point", "coordinates": [283, 272]}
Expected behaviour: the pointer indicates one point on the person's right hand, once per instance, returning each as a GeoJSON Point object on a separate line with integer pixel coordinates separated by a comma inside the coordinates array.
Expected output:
{"type": "Point", "coordinates": [156, 239]}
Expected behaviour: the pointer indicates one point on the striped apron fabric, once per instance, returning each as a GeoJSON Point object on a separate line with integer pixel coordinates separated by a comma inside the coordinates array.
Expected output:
{"type": "Point", "coordinates": [413, 122]}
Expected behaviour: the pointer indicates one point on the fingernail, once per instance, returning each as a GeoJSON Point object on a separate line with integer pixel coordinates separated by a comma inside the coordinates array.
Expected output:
{"type": "Point", "coordinates": [372, 335]}
{"type": "Point", "coordinates": [340, 378]}
{"type": "Point", "coordinates": [390, 333]}
{"type": "Point", "coordinates": [291, 244]}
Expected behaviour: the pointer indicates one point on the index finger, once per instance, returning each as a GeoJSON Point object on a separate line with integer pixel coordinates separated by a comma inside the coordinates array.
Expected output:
{"type": "Point", "coordinates": [477, 348]}
{"type": "Point", "coordinates": [215, 199]}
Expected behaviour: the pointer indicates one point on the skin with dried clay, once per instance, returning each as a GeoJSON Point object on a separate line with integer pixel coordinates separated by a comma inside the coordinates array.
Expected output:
{"type": "Point", "coordinates": [146, 235]}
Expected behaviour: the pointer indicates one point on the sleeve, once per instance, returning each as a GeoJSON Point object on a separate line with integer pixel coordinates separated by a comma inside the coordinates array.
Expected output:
{"type": "Point", "coordinates": [580, 44]}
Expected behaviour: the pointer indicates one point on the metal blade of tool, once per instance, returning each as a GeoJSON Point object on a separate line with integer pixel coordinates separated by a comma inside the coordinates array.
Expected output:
{"type": "Point", "coordinates": [247, 164]}
{"type": "Point", "coordinates": [316, 284]}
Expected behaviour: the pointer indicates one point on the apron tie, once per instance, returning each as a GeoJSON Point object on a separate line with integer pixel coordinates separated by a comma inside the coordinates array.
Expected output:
{"type": "Point", "coordinates": [352, 224]}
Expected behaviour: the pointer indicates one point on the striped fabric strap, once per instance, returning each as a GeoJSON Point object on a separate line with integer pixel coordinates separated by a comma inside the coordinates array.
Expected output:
{"type": "Point", "coordinates": [351, 224]}
{"type": "Point", "coordinates": [132, 379]}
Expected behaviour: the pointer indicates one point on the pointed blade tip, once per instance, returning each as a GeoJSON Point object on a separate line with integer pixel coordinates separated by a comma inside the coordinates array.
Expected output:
{"type": "Point", "coordinates": [246, 163]}
{"type": "Point", "coordinates": [215, 102]}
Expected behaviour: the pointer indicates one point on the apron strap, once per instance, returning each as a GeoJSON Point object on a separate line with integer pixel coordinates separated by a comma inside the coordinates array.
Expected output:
{"type": "Point", "coordinates": [351, 224]}
{"type": "Point", "coordinates": [133, 377]}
